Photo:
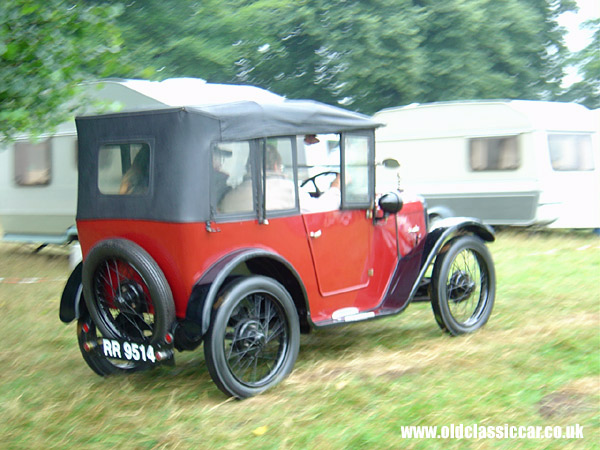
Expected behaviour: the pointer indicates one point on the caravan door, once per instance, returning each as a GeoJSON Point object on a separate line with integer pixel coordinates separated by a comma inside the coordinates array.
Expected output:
{"type": "Point", "coordinates": [572, 183]}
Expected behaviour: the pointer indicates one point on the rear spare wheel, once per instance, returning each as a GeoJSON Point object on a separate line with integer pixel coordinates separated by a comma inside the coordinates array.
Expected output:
{"type": "Point", "coordinates": [126, 292]}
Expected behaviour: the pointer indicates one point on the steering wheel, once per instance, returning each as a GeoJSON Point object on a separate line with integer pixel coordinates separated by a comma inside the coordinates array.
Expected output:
{"type": "Point", "coordinates": [317, 192]}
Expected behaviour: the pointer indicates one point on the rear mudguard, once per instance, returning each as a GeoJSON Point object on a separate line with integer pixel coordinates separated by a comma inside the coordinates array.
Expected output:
{"type": "Point", "coordinates": [71, 296]}
{"type": "Point", "coordinates": [444, 231]}
{"type": "Point", "coordinates": [206, 290]}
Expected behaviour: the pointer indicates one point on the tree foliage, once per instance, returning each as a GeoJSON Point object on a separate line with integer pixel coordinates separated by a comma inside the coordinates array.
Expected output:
{"type": "Point", "coordinates": [47, 48]}
{"type": "Point", "coordinates": [363, 54]}
{"type": "Point", "coordinates": [587, 91]}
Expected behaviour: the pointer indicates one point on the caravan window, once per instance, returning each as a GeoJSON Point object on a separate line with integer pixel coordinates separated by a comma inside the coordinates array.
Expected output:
{"type": "Point", "coordinates": [124, 169]}
{"type": "Point", "coordinates": [494, 153]}
{"type": "Point", "coordinates": [33, 163]}
{"type": "Point", "coordinates": [571, 152]}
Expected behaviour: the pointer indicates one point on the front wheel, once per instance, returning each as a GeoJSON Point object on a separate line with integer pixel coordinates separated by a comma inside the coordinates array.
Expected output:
{"type": "Point", "coordinates": [463, 286]}
{"type": "Point", "coordinates": [254, 336]}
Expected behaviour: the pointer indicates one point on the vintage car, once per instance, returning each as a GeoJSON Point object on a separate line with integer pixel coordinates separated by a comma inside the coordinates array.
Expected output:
{"type": "Point", "coordinates": [241, 225]}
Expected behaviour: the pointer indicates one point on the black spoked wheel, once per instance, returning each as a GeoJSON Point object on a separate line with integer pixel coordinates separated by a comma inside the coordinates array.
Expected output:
{"type": "Point", "coordinates": [126, 293]}
{"type": "Point", "coordinates": [463, 286]}
{"type": "Point", "coordinates": [254, 337]}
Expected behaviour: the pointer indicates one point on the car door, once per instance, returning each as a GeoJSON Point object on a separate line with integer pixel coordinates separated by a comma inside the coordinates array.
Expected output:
{"type": "Point", "coordinates": [340, 244]}
{"type": "Point", "coordinates": [341, 240]}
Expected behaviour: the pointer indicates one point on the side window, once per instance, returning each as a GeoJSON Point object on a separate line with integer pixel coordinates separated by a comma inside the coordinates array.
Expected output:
{"type": "Point", "coordinates": [232, 188]}
{"type": "Point", "coordinates": [571, 152]}
{"type": "Point", "coordinates": [356, 183]}
{"type": "Point", "coordinates": [124, 169]}
{"type": "Point", "coordinates": [318, 154]}
{"type": "Point", "coordinates": [494, 153]}
{"type": "Point", "coordinates": [318, 172]}
{"type": "Point", "coordinates": [33, 163]}
{"type": "Point", "coordinates": [278, 181]}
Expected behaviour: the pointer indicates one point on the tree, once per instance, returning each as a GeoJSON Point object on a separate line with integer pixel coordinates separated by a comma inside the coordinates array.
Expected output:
{"type": "Point", "coordinates": [490, 49]}
{"type": "Point", "coordinates": [179, 38]}
{"type": "Point", "coordinates": [381, 53]}
{"type": "Point", "coordinates": [364, 54]}
{"type": "Point", "coordinates": [47, 48]}
{"type": "Point", "coordinates": [357, 54]}
{"type": "Point", "coordinates": [587, 91]}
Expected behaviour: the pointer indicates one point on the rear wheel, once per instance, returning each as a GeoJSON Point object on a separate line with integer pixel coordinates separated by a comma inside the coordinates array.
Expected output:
{"type": "Point", "coordinates": [254, 336]}
{"type": "Point", "coordinates": [463, 286]}
{"type": "Point", "coordinates": [126, 293]}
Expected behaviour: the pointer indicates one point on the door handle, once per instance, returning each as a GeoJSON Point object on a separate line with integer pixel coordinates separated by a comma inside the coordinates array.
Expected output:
{"type": "Point", "coordinates": [414, 229]}
{"type": "Point", "coordinates": [315, 234]}
{"type": "Point", "coordinates": [415, 232]}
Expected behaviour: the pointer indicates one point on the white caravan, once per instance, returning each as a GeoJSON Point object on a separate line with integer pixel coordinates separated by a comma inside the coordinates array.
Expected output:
{"type": "Point", "coordinates": [507, 162]}
{"type": "Point", "coordinates": [38, 180]}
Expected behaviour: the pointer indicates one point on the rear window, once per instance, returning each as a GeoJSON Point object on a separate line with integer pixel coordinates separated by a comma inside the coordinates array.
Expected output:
{"type": "Point", "coordinates": [571, 152]}
{"type": "Point", "coordinates": [494, 153]}
{"type": "Point", "coordinates": [124, 169]}
{"type": "Point", "coordinates": [33, 163]}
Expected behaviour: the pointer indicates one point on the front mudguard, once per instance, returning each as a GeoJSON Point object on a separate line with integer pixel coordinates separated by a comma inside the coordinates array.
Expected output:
{"type": "Point", "coordinates": [444, 231]}
{"type": "Point", "coordinates": [70, 301]}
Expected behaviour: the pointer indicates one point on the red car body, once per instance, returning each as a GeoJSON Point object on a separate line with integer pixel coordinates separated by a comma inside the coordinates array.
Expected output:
{"type": "Point", "coordinates": [167, 265]}
{"type": "Point", "coordinates": [351, 264]}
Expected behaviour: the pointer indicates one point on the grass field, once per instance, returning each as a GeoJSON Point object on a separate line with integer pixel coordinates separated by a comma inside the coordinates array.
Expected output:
{"type": "Point", "coordinates": [536, 363]}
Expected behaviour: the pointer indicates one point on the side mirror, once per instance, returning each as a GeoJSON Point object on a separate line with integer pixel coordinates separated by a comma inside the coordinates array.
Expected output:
{"type": "Point", "coordinates": [390, 163]}
{"type": "Point", "coordinates": [391, 203]}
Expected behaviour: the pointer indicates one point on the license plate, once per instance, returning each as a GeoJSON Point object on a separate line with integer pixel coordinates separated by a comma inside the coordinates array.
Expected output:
{"type": "Point", "coordinates": [128, 351]}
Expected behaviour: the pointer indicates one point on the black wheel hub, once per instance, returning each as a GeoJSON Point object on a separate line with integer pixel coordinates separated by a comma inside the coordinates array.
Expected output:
{"type": "Point", "coordinates": [130, 298]}
{"type": "Point", "coordinates": [250, 335]}
{"type": "Point", "coordinates": [461, 286]}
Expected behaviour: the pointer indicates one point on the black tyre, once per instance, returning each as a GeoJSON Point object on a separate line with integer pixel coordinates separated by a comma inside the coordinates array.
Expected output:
{"type": "Point", "coordinates": [463, 286]}
{"type": "Point", "coordinates": [88, 338]}
{"type": "Point", "coordinates": [254, 336]}
{"type": "Point", "coordinates": [126, 293]}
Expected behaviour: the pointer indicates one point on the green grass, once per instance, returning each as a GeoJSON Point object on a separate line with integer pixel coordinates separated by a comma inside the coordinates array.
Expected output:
{"type": "Point", "coordinates": [537, 362]}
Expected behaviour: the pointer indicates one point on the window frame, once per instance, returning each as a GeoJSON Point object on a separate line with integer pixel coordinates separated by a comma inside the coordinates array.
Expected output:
{"type": "Point", "coordinates": [265, 214]}
{"type": "Point", "coordinates": [234, 216]}
{"type": "Point", "coordinates": [48, 149]}
{"type": "Point", "coordinates": [120, 143]}
{"type": "Point", "coordinates": [258, 161]}
{"type": "Point", "coordinates": [345, 204]}
{"type": "Point", "coordinates": [573, 134]}
{"type": "Point", "coordinates": [471, 139]}
{"type": "Point", "coordinates": [257, 157]}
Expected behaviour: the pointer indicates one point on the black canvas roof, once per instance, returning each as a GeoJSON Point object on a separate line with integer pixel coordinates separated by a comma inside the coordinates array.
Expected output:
{"type": "Point", "coordinates": [247, 120]}
{"type": "Point", "coordinates": [180, 139]}
{"type": "Point", "coordinates": [251, 119]}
